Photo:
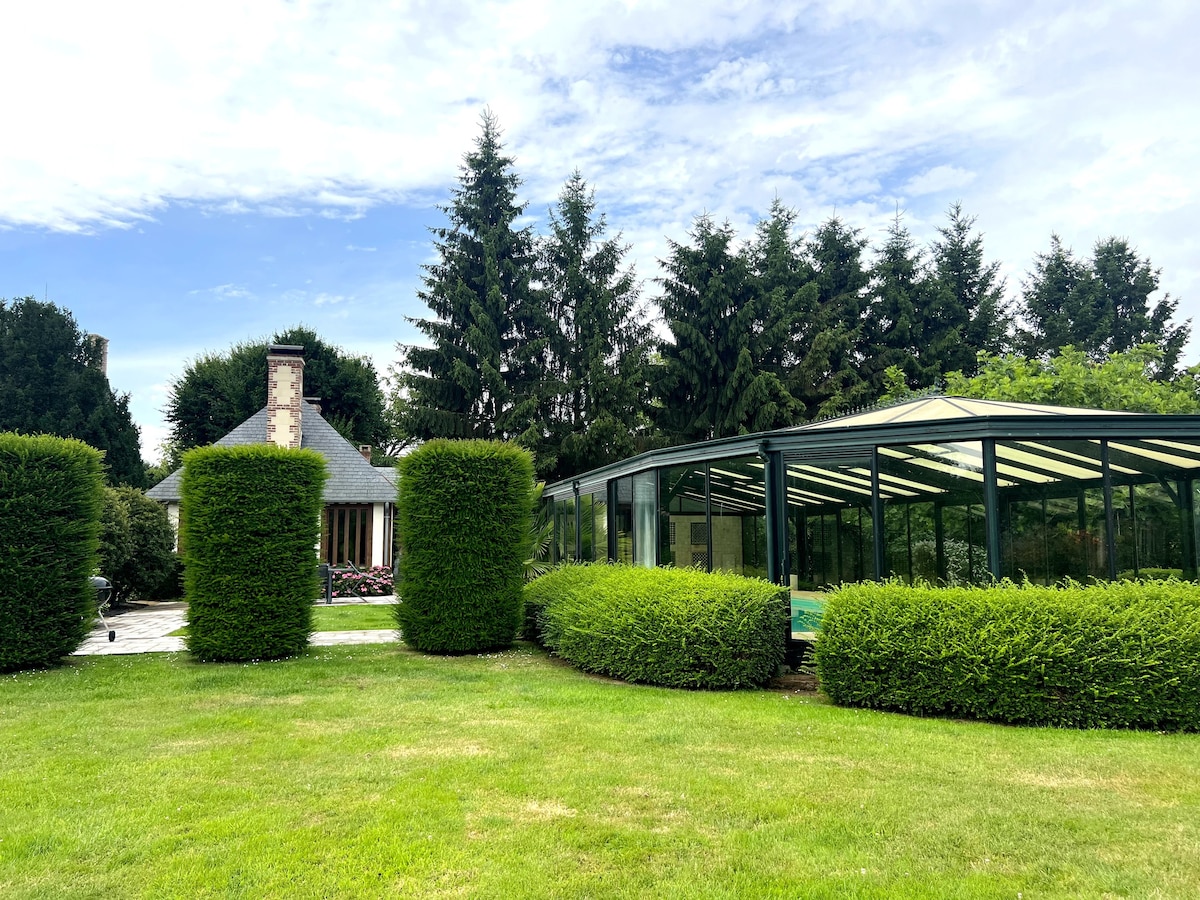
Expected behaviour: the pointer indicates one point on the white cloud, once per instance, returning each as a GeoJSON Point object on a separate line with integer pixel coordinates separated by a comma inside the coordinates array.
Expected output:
{"type": "Point", "coordinates": [1040, 117]}
{"type": "Point", "coordinates": [937, 180]}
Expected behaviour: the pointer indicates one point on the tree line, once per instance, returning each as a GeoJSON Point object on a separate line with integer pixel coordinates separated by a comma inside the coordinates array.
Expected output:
{"type": "Point", "coordinates": [542, 339]}
{"type": "Point", "coordinates": [546, 339]}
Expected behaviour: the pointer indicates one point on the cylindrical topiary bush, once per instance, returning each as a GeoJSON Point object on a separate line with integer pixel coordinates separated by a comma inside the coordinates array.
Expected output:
{"type": "Point", "coordinates": [463, 524]}
{"type": "Point", "coordinates": [50, 500]}
{"type": "Point", "coordinates": [671, 627]}
{"type": "Point", "coordinates": [1123, 654]}
{"type": "Point", "coordinates": [250, 524]}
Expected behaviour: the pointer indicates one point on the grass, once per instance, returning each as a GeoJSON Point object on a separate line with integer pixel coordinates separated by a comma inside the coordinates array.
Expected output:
{"type": "Point", "coordinates": [375, 771]}
{"type": "Point", "coordinates": [356, 617]}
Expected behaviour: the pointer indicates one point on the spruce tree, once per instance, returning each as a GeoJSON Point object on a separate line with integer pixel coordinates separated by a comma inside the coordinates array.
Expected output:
{"type": "Point", "coordinates": [709, 382]}
{"type": "Point", "coordinates": [967, 316]}
{"type": "Point", "coordinates": [825, 378]}
{"type": "Point", "coordinates": [487, 335]}
{"type": "Point", "coordinates": [1100, 306]}
{"type": "Point", "coordinates": [899, 331]}
{"type": "Point", "coordinates": [599, 343]}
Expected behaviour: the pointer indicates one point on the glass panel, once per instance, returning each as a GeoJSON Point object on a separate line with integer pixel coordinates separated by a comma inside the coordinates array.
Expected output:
{"type": "Point", "coordinates": [645, 519]}
{"type": "Point", "coordinates": [564, 529]}
{"type": "Point", "coordinates": [1052, 510]}
{"type": "Point", "coordinates": [1146, 519]}
{"type": "Point", "coordinates": [829, 507]}
{"type": "Point", "coordinates": [737, 491]}
{"type": "Point", "coordinates": [594, 526]}
{"type": "Point", "coordinates": [624, 520]}
{"type": "Point", "coordinates": [933, 511]}
{"type": "Point", "coordinates": [587, 528]}
{"type": "Point", "coordinates": [683, 537]}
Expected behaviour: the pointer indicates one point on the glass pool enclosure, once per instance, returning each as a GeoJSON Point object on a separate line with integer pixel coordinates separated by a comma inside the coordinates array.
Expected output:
{"type": "Point", "coordinates": [941, 488]}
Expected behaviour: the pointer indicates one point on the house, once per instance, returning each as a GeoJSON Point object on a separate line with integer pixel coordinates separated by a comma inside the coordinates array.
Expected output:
{"type": "Point", "coordinates": [356, 525]}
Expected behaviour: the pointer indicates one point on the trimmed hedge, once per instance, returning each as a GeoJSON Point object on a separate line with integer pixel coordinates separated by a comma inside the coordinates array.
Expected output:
{"type": "Point", "coordinates": [462, 520]}
{"type": "Point", "coordinates": [50, 501]}
{"type": "Point", "coordinates": [1122, 654]}
{"type": "Point", "coordinates": [670, 627]}
{"type": "Point", "coordinates": [250, 523]}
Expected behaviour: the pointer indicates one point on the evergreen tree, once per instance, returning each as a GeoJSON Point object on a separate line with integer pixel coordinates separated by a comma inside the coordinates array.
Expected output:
{"type": "Point", "coordinates": [480, 375]}
{"type": "Point", "coordinates": [219, 391]}
{"type": "Point", "coordinates": [899, 330]}
{"type": "Point", "coordinates": [967, 316]}
{"type": "Point", "coordinates": [599, 346]}
{"type": "Point", "coordinates": [1101, 306]}
{"type": "Point", "coordinates": [1059, 306]}
{"type": "Point", "coordinates": [51, 383]}
{"type": "Point", "coordinates": [709, 382]}
{"type": "Point", "coordinates": [825, 376]}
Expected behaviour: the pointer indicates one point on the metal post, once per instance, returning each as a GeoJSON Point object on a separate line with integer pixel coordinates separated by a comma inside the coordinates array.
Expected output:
{"type": "Point", "coordinates": [991, 508]}
{"type": "Point", "coordinates": [1110, 524]}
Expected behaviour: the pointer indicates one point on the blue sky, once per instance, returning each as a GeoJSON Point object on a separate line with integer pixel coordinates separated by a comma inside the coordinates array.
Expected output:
{"type": "Point", "coordinates": [182, 179]}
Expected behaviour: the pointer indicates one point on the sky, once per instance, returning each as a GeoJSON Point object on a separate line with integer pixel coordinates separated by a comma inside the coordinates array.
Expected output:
{"type": "Point", "coordinates": [185, 177]}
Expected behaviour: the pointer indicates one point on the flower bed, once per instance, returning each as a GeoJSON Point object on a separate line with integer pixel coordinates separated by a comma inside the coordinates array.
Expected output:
{"type": "Point", "coordinates": [373, 582]}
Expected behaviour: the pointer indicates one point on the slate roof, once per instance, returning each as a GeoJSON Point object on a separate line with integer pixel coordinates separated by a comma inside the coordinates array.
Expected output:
{"type": "Point", "coordinates": [352, 478]}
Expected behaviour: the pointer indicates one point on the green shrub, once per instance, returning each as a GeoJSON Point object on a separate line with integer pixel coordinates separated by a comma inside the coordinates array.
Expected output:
{"type": "Point", "coordinates": [463, 522]}
{"type": "Point", "coordinates": [250, 523]}
{"type": "Point", "coordinates": [1150, 575]}
{"type": "Point", "coordinates": [136, 544]}
{"type": "Point", "coordinates": [1121, 654]}
{"type": "Point", "coordinates": [50, 501]}
{"type": "Point", "coordinates": [671, 627]}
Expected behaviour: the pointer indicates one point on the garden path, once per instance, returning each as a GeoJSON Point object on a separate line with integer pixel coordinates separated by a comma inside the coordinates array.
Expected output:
{"type": "Point", "coordinates": [148, 629]}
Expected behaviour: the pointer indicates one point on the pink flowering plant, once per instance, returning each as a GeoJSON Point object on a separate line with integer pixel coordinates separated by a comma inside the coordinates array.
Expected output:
{"type": "Point", "coordinates": [373, 582]}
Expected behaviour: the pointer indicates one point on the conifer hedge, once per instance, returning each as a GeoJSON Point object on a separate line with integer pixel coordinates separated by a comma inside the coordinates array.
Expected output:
{"type": "Point", "coordinates": [50, 500]}
{"type": "Point", "coordinates": [463, 522]}
{"type": "Point", "coordinates": [671, 627]}
{"type": "Point", "coordinates": [250, 524]}
{"type": "Point", "coordinates": [1121, 654]}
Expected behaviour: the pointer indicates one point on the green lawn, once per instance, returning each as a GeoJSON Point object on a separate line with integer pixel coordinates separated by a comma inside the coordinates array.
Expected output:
{"type": "Point", "coordinates": [356, 617]}
{"type": "Point", "coordinates": [375, 771]}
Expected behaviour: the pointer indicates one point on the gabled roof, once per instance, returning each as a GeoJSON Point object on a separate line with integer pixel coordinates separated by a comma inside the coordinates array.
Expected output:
{"type": "Point", "coordinates": [352, 478]}
{"type": "Point", "coordinates": [939, 409]}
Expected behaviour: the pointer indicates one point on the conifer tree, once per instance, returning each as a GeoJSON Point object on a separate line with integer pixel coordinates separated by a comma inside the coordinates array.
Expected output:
{"type": "Point", "coordinates": [898, 329]}
{"type": "Point", "coordinates": [968, 306]}
{"type": "Point", "coordinates": [709, 383]}
{"type": "Point", "coordinates": [825, 378]}
{"type": "Point", "coordinates": [1100, 306]}
{"type": "Point", "coordinates": [487, 333]}
{"type": "Point", "coordinates": [599, 344]}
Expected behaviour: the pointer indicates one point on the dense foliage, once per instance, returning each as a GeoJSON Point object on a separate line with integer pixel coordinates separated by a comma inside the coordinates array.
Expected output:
{"type": "Point", "coordinates": [1122, 382]}
{"type": "Point", "coordinates": [375, 581]}
{"type": "Point", "coordinates": [462, 520]}
{"type": "Point", "coordinates": [51, 383]}
{"type": "Point", "coordinates": [137, 544]}
{"type": "Point", "coordinates": [50, 502]}
{"type": "Point", "coordinates": [1121, 654]}
{"type": "Point", "coordinates": [219, 391]}
{"type": "Point", "coordinates": [672, 627]}
{"type": "Point", "coordinates": [249, 522]}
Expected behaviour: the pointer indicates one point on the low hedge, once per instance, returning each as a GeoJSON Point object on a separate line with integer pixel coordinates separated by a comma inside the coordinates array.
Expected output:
{"type": "Point", "coordinates": [250, 523]}
{"type": "Point", "coordinates": [463, 525]}
{"type": "Point", "coordinates": [1122, 654]}
{"type": "Point", "coordinates": [50, 503]}
{"type": "Point", "coordinates": [670, 627]}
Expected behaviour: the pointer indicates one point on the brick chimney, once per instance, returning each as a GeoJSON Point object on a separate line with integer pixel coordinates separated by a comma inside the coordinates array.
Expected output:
{"type": "Point", "coordinates": [285, 388]}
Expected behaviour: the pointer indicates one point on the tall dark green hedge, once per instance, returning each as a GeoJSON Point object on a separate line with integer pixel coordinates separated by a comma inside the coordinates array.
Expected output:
{"type": "Point", "coordinates": [50, 499]}
{"type": "Point", "coordinates": [672, 627]}
{"type": "Point", "coordinates": [463, 521]}
{"type": "Point", "coordinates": [1124, 654]}
{"type": "Point", "coordinates": [250, 525]}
